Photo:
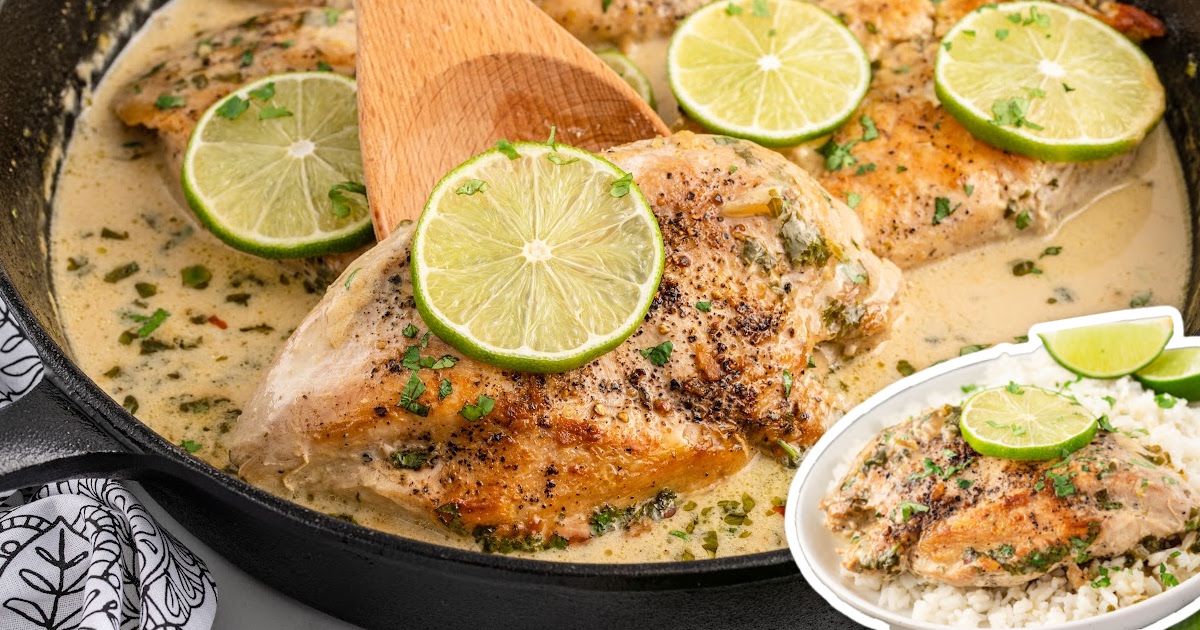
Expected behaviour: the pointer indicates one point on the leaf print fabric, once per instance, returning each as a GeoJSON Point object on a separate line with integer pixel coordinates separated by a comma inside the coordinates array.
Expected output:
{"type": "Point", "coordinates": [85, 554]}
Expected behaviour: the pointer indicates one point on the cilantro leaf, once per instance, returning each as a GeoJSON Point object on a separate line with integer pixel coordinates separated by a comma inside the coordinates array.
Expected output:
{"type": "Point", "coordinates": [482, 407]}
{"type": "Point", "coordinates": [660, 354]}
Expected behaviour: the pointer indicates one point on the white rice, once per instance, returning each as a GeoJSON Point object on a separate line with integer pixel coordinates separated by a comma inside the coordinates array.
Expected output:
{"type": "Point", "coordinates": [1051, 598]}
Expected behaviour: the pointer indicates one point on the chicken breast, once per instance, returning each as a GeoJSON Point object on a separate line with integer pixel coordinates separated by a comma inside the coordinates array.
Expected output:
{"type": "Point", "coordinates": [927, 187]}
{"type": "Point", "coordinates": [776, 257]}
{"type": "Point", "coordinates": [618, 21]}
{"type": "Point", "coordinates": [170, 97]}
{"type": "Point", "coordinates": [918, 498]}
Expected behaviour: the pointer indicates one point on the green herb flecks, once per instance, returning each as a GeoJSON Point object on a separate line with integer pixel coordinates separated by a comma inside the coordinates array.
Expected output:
{"type": "Point", "coordinates": [942, 209]}
{"type": "Point", "coordinates": [411, 459]}
{"type": "Point", "coordinates": [621, 185]}
{"type": "Point", "coordinates": [1011, 113]}
{"type": "Point", "coordinates": [264, 93]}
{"type": "Point", "coordinates": [659, 355]}
{"type": "Point", "coordinates": [169, 101]}
{"type": "Point", "coordinates": [506, 147]}
{"type": "Point", "coordinates": [120, 273]}
{"type": "Point", "coordinates": [1025, 268]}
{"type": "Point", "coordinates": [472, 186]}
{"type": "Point", "coordinates": [149, 323]}
{"type": "Point", "coordinates": [793, 453]}
{"type": "Point", "coordinates": [409, 395]}
{"type": "Point", "coordinates": [908, 508]}
{"type": "Point", "coordinates": [1140, 300]}
{"type": "Point", "coordinates": [482, 407]}
{"type": "Point", "coordinates": [271, 112]}
{"type": "Point", "coordinates": [233, 108]}
{"type": "Point", "coordinates": [196, 277]}
{"type": "Point", "coordinates": [146, 290]}
{"type": "Point", "coordinates": [341, 203]}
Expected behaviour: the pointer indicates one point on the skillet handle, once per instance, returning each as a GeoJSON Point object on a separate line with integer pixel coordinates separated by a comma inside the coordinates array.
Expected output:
{"type": "Point", "coordinates": [45, 437]}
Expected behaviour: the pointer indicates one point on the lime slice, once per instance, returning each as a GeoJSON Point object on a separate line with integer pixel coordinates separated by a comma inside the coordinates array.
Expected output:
{"type": "Point", "coordinates": [629, 71]}
{"type": "Point", "coordinates": [274, 169]}
{"type": "Point", "coordinates": [1109, 350]}
{"type": "Point", "coordinates": [537, 262]}
{"type": "Point", "coordinates": [777, 72]}
{"type": "Point", "coordinates": [1175, 372]}
{"type": "Point", "coordinates": [1025, 423]}
{"type": "Point", "coordinates": [1047, 81]}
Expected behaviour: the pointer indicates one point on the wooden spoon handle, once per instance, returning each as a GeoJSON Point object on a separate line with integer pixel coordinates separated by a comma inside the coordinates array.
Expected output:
{"type": "Point", "coordinates": [442, 81]}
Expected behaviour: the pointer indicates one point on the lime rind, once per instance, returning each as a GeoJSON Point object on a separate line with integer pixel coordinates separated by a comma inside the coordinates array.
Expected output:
{"type": "Point", "coordinates": [1175, 372]}
{"type": "Point", "coordinates": [488, 296]}
{"type": "Point", "coordinates": [802, 80]}
{"type": "Point", "coordinates": [630, 72]}
{"type": "Point", "coordinates": [1086, 113]}
{"type": "Point", "coordinates": [230, 164]}
{"type": "Point", "coordinates": [1030, 424]}
{"type": "Point", "coordinates": [1108, 351]}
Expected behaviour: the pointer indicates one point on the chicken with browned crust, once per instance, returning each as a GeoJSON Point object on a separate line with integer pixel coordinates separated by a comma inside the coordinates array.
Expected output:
{"type": "Point", "coordinates": [918, 498]}
{"type": "Point", "coordinates": [778, 260]}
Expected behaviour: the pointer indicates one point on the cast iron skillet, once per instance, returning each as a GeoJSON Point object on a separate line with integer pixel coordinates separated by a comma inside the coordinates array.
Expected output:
{"type": "Point", "coordinates": [67, 426]}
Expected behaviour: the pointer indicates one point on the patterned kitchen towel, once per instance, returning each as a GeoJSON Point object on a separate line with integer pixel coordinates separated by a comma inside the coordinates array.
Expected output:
{"type": "Point", "coordinates": [20, 368]}
{"type": "Point", "coordinates": [86, 554]}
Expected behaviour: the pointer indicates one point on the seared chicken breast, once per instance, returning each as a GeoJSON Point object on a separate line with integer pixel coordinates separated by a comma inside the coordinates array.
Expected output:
{"type": "Point", "coordinates": [778, 259]}
{"type": "Point", "coordinates": [918, 498]}
{"type": "Point", "coordinates": [171, 96]}
{"type": "Point", "coordinates": [929, 188]}
{"type": "Point", "coordinates": [926, 188]}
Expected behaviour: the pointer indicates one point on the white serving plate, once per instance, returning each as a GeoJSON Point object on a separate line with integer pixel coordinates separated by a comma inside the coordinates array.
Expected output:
{"type": "Point", "coordinates": [815, 548]}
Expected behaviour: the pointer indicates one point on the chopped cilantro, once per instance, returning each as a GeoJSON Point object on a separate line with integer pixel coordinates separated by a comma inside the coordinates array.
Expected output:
{"type": "Point", "coordinates": [482, 407]}
{"type": "Point", "coordinates": [264, 93]}
{"type": "Point", "coordinates": [409, 395]}
{"type": "Point", "coordinates": [472, 186]}
{"type": "Point", "coordinates": [169, 101]}
{"type": "Point", "coordinates": [341, 203]}
{"type": "Point", "coordinates": [942, 209]}
{"type": "Point", "coordinates": [196, 276]}
{"type": "Point", "coordinates": [1011, 113]}
{"type": "Point", "coordinates": [232, 108]}
{"type": "Point", "coordinates": [660, 354]}
{"type": "Point", "coordinates": [621, 185]}
{"type": "Point", "coordinates": [271, 112]}
{"type": "Point", "coordinates": [506, 147]}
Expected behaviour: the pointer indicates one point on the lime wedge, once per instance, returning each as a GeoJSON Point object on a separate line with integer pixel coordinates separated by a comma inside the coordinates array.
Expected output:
{"type": "Point", "coordinates": [777, 72]}
{"type": "Point", "coordinates": [629, 71]}
{"type": "Point", "coordinates": [536, 258]}
{"type": "Point", "coordinates": [1109, 350]}
{"type": "Point", "coordinates": [274, 169]}
{"type": "Point", "coordinates": [1175, 372]}
{"type": "Point", "coordinates": [1025, 423]}
{"type": "Point", "coordinates": [1047, 81]}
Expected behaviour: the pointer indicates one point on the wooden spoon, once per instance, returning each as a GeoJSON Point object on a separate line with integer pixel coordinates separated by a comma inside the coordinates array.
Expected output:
{"type": "Point", "coordinates": [441, 80]}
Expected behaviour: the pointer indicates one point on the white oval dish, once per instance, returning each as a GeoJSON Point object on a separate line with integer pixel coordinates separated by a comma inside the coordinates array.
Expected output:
{"type": "Point", "coordinates": [815, 548]}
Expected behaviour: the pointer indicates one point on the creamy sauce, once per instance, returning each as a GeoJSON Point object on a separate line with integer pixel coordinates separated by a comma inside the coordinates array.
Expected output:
{"type": "Point", "coordinates": [190, 376]}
